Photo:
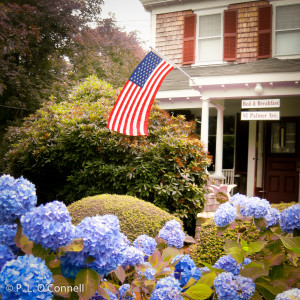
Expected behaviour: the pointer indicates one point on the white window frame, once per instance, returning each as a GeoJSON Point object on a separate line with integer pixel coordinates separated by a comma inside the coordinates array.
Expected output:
{"type": "Point", "coordinates": [275, 6]}
{"type": "Point", "coordinates": [207, 13]}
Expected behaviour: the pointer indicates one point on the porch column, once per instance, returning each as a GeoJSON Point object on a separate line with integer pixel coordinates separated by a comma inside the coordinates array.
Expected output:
{"type": "Point", "coordinates": [251, 159]}
{"type": "Point", "coordinates": [204, 122]}
{"type": "Point", "coordinates": [219, 144]}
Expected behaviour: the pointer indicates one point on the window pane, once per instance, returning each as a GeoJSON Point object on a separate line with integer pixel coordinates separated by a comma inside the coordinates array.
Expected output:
{"type": "Point", "coordinates": [210, 26]}
{"type": "Point", "coordinates": [210, 49]}
{"type": "Point", "coordinates": [283, 138]}
{"type": "Point", "coordinates": [288, 17]}
{"type": "Point", "coordinates": [287, 43]}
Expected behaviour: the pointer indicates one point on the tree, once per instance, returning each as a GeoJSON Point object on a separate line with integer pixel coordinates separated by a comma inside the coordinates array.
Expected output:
{"type": "Point", "coordinates": [68, 153]}
{"type": "Point", "coordinates": [35, 35]}
{"type": "Point", "coordinates": [108, 52]}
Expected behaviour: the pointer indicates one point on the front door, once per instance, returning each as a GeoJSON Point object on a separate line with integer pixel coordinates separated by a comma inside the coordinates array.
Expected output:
{"type": "Point", "coordinates": [282, 160]}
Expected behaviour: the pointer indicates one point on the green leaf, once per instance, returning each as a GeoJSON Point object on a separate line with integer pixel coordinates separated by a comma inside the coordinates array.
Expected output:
{"type": "Point", "coordinates": [169, 253]}
{"type": "Point", "coordinates": [89, 279]}
{"type": "Point", "coordinates": [103, 293]}
{"type": "Point", "coordinates": [268, 291]}
{"type": "Point", "coordinates": [54, 263]}
{"type": "Point", "coordinates": [26, 245]}
{"type": "Point", "coordinates": [63, 285]}
{"type": "Point", "coordinates": [189, 283]}
{"type": "Point", "coordinates": [254, 272]}
{"type": "Point", "coordinates": [291, 243]}
{"type": "Point", "coordinates": [120, 273]}
{"type": "Point", "coordinates": [76, 245]}
{"type": "Point", "coordinates": [237, 254]}
{"type": "Point", "coordinates": [208, 278]}
{"type": "Point", "coordinates": [261, 223]}
{"type": "Point", "coordinates": [256, 246]}
{"type": "Point", "coordinates": [231, 244]}
{"type": "Point", "coordinates": [198, 291]}
{"type": "Point", "coordinates": [155, 258]}
{"type": "Point", "coordinates": [244, 243]}
{"type": "Point", "coordinates": [40, 251]}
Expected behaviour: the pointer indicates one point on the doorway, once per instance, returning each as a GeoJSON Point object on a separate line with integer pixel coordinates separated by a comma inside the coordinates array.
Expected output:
{"type": "Point", "coordinates": [282, 158]}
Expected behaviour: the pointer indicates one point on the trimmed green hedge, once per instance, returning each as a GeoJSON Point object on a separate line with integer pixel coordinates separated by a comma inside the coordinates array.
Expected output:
{"type": "Point", "coordinates": [136, 216]}
{"type": "Point", "coordinates": [210, 247]}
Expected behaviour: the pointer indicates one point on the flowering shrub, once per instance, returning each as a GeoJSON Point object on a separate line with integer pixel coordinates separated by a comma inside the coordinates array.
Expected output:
{"type": "Point", "coordinates": [172, 234]}
{"type": "Point", "coordinates": [17, 196]}
{"type": "Point", "coordinates": [97, 256]}
{"type": "Point", "coordinates": [290, 219]}
{"type": "Point", "coordinates": [146, 244]}
{"type": "Point", "coordinates": [29, 278]}
{"type": "Point", "coordinates": [49, 225]}
{"type": "Point", "coordinates": [5, 255]}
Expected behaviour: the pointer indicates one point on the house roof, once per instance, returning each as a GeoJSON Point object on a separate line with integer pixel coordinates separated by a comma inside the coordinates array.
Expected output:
{"type": "Point", "coordinates": [148, 4]}
{"type": "Point", "coordinates": [176, 80]}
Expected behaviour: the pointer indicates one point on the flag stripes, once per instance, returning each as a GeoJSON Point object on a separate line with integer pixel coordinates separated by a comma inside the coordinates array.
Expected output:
{"type": "Point", "coordinates": [130, 114]}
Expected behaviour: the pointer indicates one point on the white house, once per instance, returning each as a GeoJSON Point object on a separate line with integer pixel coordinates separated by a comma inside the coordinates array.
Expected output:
{"type": "Point", "coordinates": [244, 59]}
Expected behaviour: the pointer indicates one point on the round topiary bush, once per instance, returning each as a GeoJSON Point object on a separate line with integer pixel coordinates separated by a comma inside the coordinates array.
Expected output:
{"type": "Point", "coordinates": [136, 216]}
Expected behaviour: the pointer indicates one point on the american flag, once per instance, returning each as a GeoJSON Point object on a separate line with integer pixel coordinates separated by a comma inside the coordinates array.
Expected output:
{"type": "Point", "coordinates": [131, 111]}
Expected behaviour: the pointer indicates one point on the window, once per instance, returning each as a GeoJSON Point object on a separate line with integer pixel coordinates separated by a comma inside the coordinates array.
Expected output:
{"type": "Point", "coordinates": [287, 30]}
{"type": "Point", "coordinates": [209, 38]}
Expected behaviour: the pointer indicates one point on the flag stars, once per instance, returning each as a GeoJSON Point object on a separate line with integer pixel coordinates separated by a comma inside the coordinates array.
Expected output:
{"type": "Point", "coordinates": [145, 69]}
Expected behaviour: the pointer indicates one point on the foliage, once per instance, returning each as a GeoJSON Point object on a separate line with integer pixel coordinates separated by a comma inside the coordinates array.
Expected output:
{"type": "Point", "coordinates": [135, 215]}
{"type": "Point", "coordinates": [46, 47]}
{"type": "Point", "coordinates": [68, 152]}
{"type": "Point", "coordinates": [168, 273]}
{"type": "Point", "coordinates": [35, 37]}
{"type": "Point", "coordinates": [107, 52]}
{"type": "Point", "coordinates": [210, 244]}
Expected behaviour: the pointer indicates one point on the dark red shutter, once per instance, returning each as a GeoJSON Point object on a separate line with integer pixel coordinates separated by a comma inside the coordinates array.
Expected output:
{"type": "Point", "coordinates": [230, 35]}
{"type": "Point", "coordinates": [189, 36]}
{"type": "Point", "coordinates": [264, 31]}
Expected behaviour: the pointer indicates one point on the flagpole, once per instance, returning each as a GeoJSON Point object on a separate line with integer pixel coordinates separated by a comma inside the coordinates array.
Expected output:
{"type": "Point", "coordinates": [170, 62]}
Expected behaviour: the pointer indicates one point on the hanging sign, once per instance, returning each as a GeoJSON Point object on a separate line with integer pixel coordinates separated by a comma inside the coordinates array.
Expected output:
{"type": "Point", "coordinates": [260, 103]}
{"type": "Point", "coordinates": [260, 115]}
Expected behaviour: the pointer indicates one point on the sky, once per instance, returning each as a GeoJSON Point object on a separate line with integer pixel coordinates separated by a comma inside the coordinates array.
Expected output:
{"type": "Point", "coordinates": [131, 15]}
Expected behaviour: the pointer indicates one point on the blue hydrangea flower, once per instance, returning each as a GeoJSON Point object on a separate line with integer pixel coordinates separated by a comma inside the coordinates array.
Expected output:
{"type": "Point", "coordinates": [122, 292]}
{"type": "Point", "coordinates": [17, 196]}
{"type": "Point", "coordinates": [290, 218]}
{"type": "Point", "coordinates": [245, 287]}
{"type": "Point", "coordinates": [166, 293]}
{"type": "Point", "coordinates": [150, 273]}
{"type": "Point", "coordinates": [272, 217]}
{"type": "Point", "coordinates": [133, 257]}
{"type": "Point", "coordinates": [225, 214]}
{"type": "Point", "coordinates": [225, 286]}
{"type": "Point", "coordinates": [185, 269]}
{"type": "Point", "coordinates": [293, 294]}
{"type": "Point", "coordinates": [238, 199]}
{"type": "Point", "coordinates": [228, 264]}
{"type": "Point", "coordinates": [146, 244]}
{"type": "Point", "coordinates": [229, 287]}
{"type": "Point", "coordinates": [255, 207]}
{"type": "Point", "coordinates": [26, 274]}
{"type": "Point", "coordinates": [5, 255]}
{"type": "Point", "coordinates": [71, 263]}
{"type": "Point", "coordinates": [103, 241]}
{"type": "Point", "coordinates": [167, 288]}
{"type": "Point", "coordinates": [172, 234]}
{"type": "Point", "coordinates": [49, 225]}
{"type": "Point", "coordinates": [110, 294]}
{"type": "Point", "coordinates": [7, 236]}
